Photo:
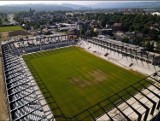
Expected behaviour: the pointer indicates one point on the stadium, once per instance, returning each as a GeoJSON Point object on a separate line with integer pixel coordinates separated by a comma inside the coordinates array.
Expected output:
{"type": "Point", "coordinates": [64, 78]}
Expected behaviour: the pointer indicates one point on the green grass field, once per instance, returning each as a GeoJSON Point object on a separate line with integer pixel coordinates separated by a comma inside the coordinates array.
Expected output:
{"type": "Point", "coordinates": [10, 28]}
{"type": "Point", "coordinates": [77, 79]}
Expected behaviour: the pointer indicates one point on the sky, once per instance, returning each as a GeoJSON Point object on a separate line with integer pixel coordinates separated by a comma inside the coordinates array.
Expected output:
{"type": "Point", "coordinates": [57, 2]}
{"type": "Point", "coordinates": [49, 2]}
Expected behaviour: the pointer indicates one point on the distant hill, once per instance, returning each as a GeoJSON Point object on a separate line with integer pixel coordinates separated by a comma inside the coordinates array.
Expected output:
{"type": "Point", "coordinates": [127, 5]}
{"type": "Point", "coordinates": [70, 7]}
{"type": "Point", "coordinates": [76, 7]}
{"type": "Point", "coordinates": [42, 7]}
{"type": "Point", "coordinates": [37, 7]}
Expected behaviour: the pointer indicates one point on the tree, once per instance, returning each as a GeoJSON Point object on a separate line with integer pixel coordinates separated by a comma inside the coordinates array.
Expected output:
{"type": "Point", "coordinates": [0, 22]}
{"type": "Point", "coordinates": [149, 46]}
{"type": "Point", "coordinates": [146, 29]}
{"type": "Point", "coordinates": [125, 40]}
{"type": "Point", "coordinates": [131, 28]}
{"type": "Point", "coordinates": [103, 23]}
{"type": "Point", "coordinates": [6, 20]}
{"type": "Point", "coordinates": [102, 19]}
{"type": "Point", "coordinates": [154, 34]}
{"type": "Point", "coordinates": [82, 31]}
{"type": "Point", "coordinates": [158, 45]}
{"type": "Point", "coordinates": [93, 33]}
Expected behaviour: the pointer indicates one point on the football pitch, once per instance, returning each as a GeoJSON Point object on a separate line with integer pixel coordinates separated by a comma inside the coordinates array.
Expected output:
{"type": "Point", "coordinates": [77, 79]}
{"type": "Point", "coordinates": [10, 28]}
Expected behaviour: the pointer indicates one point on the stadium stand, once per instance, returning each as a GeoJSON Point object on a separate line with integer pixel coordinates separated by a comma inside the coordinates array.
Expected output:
{"type": "Point", "coordinates": [26, 102]}
{"type": "Point", "coordinates": [126, 49]}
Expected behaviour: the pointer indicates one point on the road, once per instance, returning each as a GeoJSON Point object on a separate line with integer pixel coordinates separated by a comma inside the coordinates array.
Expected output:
{"type": "Point", "coordinates": [11, 19]}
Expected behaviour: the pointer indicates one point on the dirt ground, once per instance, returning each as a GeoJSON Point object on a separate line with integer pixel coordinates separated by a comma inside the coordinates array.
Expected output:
{"type": "Point", "coordinates": [94, 77]}
{"type": "Point", "coordinates": [3, 106]}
